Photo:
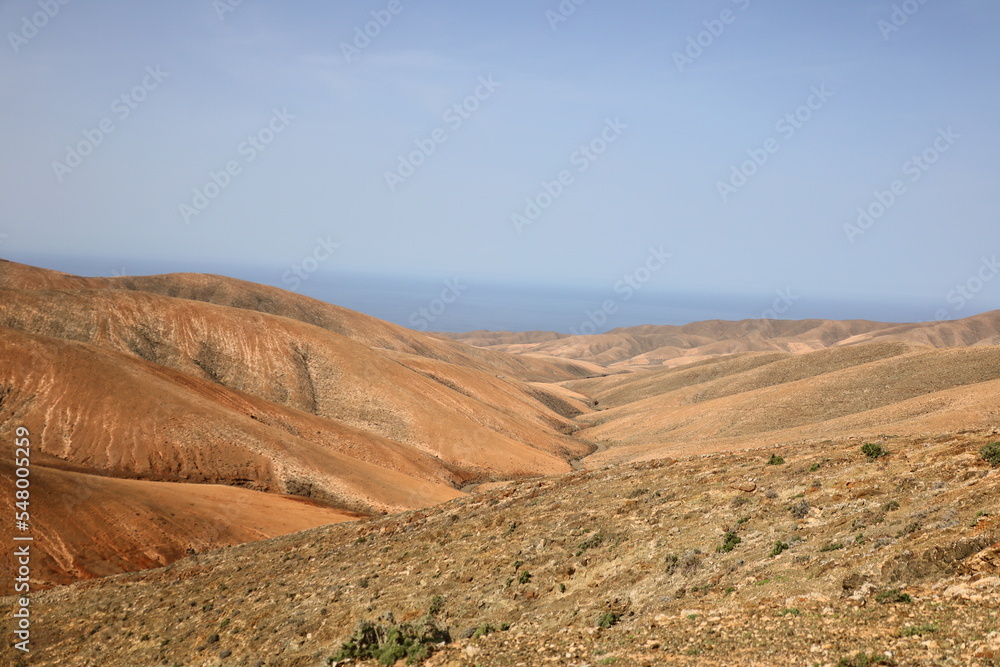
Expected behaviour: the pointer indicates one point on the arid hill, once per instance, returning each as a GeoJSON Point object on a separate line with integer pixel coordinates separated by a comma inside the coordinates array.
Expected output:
{"type": "Point", "coordinates": [671, 346]}
{"type": "Point", "coordinates": [137, 385]}
{"type": "Point", "coordinates": [754, 492]}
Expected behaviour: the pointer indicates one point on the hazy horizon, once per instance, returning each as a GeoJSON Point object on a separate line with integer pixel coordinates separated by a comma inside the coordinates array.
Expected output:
{"type": "Point", "coordinates": [521, 307]}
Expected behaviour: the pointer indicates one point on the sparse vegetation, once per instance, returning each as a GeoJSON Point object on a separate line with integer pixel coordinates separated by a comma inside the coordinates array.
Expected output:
{"type": "Point", "coordinates": [672, 561]}
{"type": "Point", "coordinates": [917, 630]}
{"type": "Point", "coordinates": [893, 596]}
{"type": "Point", "coordinates": [729, 542]}
{"type": "Point", "coordinates": [590, 543]}
{"type": "Point", "coordinates": [779, 547]}
{"type": "Point", "coordinates": [800, 509]}
{"type": "Point", "coordinates": [437, 604]}
{"type": "Point", "coordinates": [524, 578]}
{"type": "Point", "coordinates": [873, 450]}
{"type": "Point", "coordinates": [832, 546]}
{"type": "Point", "coordinates": [864, 660]}
{"type": "Point", "coordinates": [608, 619]}
{"type": "Point", "coordinates": [775, 460]}
{"type": "Point", "coordinates": [389, 643]}
{"type": "Point", "coordinates": [991, 454]}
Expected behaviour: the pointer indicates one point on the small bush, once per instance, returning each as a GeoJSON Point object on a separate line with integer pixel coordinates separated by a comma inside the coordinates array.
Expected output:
{"type": "Point", "coordinates": [671, 563]}
{"type": "Point", "coordinates": [891, 506]}
{"type": "Point", "coordinates": [591, 542]}
{"type": "Point", "coordinates": [917, 630]}
{"type": "Point", "coordinates": [832, 546]}
{"type": "Point", "coordinates": [864, 660]}
{"type": "Point", "coordinates": [814, 467]}
{"type": "Point", "coordinates": [524, 578]}
{"type": "Point", "coordinates": [437, 604]}
{"type": "Point", "coordinates": [729, 542]}
{"type": "Point", "coordinates": [893, 596]}
{"type": "Point", "coordinates": [873, 450]}
{"type": "Point", "coordinates": [800, 509]}
{"type": "Point", "coordinates": [389, 643]}
{"type": "Point", "coordinates": [775, 460]}
{"type": "Point", "coordinates": [607, 619]}
{"type": "Point", "coordinates": [991, 454]}
{"type": "Point", "coordinates": [779, 546]}
{"type": "Point", "coordinates": [483, 630]}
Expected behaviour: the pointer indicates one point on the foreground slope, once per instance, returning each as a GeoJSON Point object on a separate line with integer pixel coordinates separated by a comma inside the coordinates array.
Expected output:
{"type": "Point", "coordinates": [899, 556]}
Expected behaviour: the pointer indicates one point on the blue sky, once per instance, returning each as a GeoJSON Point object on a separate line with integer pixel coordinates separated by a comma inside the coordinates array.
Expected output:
{"type": "Point", "coordinates": [251, 142]}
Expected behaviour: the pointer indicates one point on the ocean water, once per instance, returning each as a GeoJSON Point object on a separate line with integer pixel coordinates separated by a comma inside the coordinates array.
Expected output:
{"type": "Point", "coordinates": [446, 304]}
{"type": "Point", "coordinates": [468, 306]}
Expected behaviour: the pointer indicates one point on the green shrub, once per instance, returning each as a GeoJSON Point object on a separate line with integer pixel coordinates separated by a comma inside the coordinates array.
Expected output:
{"type": "Point", "coordinates": [607, 619]}
{"type": "Point", "coordinates": [832, 546]}
{"type": "Point", "coordinates": [893, 596]}
{"type": "Point", "coordinates": [591, 542]}
{"type": "Point", "coordinates": [775, 460]}
{"type": "Point", "coordinates": [524, 578]}
{"type": "Point", "coordinates": [729, 542]}
{"type": "Point", "coordinates": [917, 630]}
{"type": "Point", "coordinates": [437, 604]}
{"type": "Point", "coordinates": [779, 546]}
{"type": "Point", "coordinates": [863, 660]}
{"type": "Point", "coordinates": [814, 467]}
{"type": "Point", "coordinates": [672, 561]}
{"type": "Point", "coordinates": [873, 450]}
{"type": "Point", "coordinates": [991, 454]}
{"type": "Point", "coordinates": [389, 643]}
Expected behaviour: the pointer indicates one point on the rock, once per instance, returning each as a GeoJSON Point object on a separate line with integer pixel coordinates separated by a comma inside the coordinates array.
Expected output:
{"type": "Point", "coordinates": [746, 487]}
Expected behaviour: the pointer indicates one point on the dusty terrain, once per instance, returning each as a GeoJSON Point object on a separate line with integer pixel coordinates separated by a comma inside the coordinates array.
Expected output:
{"type": "Point", "coordinates": [657, 495]}
{"type": "Point", "coordinates": [895, 556]}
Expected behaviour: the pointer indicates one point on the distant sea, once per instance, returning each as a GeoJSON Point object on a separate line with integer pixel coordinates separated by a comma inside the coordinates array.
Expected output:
{"type": "Point", "coordinates": [457, 304]}
{"type": "Point", "coordinates": [421, 304]}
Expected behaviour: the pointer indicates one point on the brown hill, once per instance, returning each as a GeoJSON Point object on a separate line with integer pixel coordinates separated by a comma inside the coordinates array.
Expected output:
{"type": "Point", "coordinates": [748, 401]}
{"type": "Point", "coordinates": [134, 384]}
{"type": "Point", "coordinates": [88, 525]}
{"type": "Point", "coordinates": [678, 345]}
{"type": "Point", "coordinates": [243, 295]}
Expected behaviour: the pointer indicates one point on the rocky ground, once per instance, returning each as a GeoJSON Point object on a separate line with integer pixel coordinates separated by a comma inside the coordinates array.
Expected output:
{"type": "Point", "coordinates": [810, 553]}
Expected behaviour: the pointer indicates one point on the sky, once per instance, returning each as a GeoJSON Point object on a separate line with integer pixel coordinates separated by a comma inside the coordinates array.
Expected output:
{"type": "Point", "coordinates": [576, 165]}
